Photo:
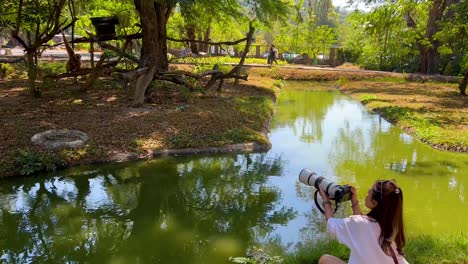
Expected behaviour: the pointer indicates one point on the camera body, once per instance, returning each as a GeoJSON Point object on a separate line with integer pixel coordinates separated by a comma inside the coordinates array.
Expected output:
{"type": "Point", "coordinates": [339, 193]}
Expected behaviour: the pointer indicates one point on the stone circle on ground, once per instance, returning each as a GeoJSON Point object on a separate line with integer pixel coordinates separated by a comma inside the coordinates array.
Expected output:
{"type": "Point", "coordinates": [60, 138]}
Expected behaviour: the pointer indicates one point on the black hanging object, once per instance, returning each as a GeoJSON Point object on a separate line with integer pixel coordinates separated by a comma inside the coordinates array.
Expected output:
{"type": "Point", "coordinates": [105, 27]}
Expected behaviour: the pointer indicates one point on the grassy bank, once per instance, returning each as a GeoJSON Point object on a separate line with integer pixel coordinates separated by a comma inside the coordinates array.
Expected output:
{"type": "Point", "coordinates": [447, 248]}
{"type": "Point", "coordinates": [451, 248]}
{"type": "Point", "coordinates": [176, 118]}
{"type": "Point", "coordinates": [322, 74]}
{"type": "Point", "coordinates": [434, 113]}
{"type": "Point", "coordinates": [173, 118]}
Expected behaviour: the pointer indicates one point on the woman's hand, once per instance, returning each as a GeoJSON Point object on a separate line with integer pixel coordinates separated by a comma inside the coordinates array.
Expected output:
{"type": "Point", "coordinates": [326, 204]}
{"type": "Point", "coordinates": [324, 195]}
{"type": "Point", "coordinates": [355, 202]}
{"type": "Point", "coordinates": [354, 198]}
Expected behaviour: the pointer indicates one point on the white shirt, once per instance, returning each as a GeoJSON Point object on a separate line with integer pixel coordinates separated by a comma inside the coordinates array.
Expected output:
{"type": "Point", "coordinates": [361, 235]}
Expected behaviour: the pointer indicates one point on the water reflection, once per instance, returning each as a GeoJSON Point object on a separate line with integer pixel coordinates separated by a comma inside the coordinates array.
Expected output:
{"type": "Point", "coordinates": [206, 209]}
{"type": "Point", "coordinates": [358, 147]}
{"type": "Point", "coordinates": [200, 210]}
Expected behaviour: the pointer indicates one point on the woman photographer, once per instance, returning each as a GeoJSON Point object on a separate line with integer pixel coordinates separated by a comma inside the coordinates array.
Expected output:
{"type": "Point", "coordinates": [377, 237]}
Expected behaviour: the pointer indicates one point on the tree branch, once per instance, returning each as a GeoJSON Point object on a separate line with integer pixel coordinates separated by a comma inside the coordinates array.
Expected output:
{"type": "Point", "coordinates": [411, 23]}
{"type": "Point", "coordinates": [119, 51]}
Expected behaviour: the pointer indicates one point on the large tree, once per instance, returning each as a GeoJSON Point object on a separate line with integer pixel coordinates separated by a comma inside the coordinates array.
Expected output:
{"type": "Point", "coordinates": [198, 19]}
{"type": "Point", "coordinates": [154, 15]}
{"type": "Point", "coordinates": [33, 23]}
{"type": "Point", "coordinates": [432, 30]}
{"type": "Point", "coordinates": [427, 42]}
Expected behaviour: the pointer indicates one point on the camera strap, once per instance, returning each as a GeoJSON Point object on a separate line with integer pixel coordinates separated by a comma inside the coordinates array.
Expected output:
{"type": "Point", "coordinates": [318, 205]}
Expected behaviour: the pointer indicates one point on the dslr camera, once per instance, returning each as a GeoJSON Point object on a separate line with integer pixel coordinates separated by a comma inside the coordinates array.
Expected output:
{"type": "Point", "coordinates": [336, 192]}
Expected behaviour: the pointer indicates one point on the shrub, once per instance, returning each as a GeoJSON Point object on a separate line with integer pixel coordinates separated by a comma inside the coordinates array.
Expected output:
{"type": "Point", "coordinates": [50, 68]}
{"type": "Point", "coordinates": [30, 162]}
{"type": "Point", "coordinates": [7, 71]}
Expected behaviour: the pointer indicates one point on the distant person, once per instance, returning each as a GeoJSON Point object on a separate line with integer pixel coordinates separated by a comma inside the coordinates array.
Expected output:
{"type": "Point", "coordinates": [272, 55]}
{"type": "Point", "coordinates": [379, 236]}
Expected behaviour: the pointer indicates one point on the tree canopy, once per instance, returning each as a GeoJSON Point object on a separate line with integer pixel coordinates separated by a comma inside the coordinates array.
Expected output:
{"type": "Point", "coordinates": [408, 36]}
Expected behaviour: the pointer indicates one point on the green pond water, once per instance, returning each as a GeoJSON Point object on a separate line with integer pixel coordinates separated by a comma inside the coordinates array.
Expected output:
{"type": "Point", "coordinates": [204, 209]}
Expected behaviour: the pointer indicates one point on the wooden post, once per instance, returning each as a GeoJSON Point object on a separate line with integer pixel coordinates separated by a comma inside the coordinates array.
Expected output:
{"type": "Point", "coordinates": [91, 51]}
{"type": "Point", "coordinates": [331, 58]}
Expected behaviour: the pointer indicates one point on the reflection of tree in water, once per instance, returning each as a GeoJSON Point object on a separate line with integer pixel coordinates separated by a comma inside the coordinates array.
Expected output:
{"type": "Point", "coordinates": [304, 112]}
{"type": "Point", "coordinates": [315, 229]}
{"type": "Point", "coordinates": [201, 210]}
{"type": "Point", "coordinates": [364, 148]}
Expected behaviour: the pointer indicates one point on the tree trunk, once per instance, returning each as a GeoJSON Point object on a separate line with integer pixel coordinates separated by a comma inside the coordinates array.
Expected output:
{"type": "Point", "coordinates": [200, 45]}
{"type": "Point", "coordinates": [246, 50]}
{"type": "Point", "coordinates": [429, 56]}
{"type": "Point", "coordinates": [206, 38]}
{"type": "Point", "coordinates": [429, 59]}
{"type": "Point", "coordinates": [462, 86]}
{"type": "Point", "coordinates": [32, 74]}
{"type": "Point", "coordinates": [143, 81]}
{"type": "Point", "coordinates": [153, 18]}
{"type": "Point", "coordinates": [432, 56]}
{"type": "Point", "coordinates": [191, 34]}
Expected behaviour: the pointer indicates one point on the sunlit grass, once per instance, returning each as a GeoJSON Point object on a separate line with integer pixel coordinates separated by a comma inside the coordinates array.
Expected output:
{"type": "Point", "coordinates": [423, 249]}
{"type": "Point", "coordinates": [450, 248]}
{"type": "Point", "coordinates": [366, 98]}
{"type": "Point", "coordinates": [389, 79]}
{"type": "Point", "coordinates": [425, 125]}
{"type": "Point", "coordinates": [253, 114]}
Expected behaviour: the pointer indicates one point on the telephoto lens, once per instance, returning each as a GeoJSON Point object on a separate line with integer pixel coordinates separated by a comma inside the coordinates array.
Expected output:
{"type": "Point", "coordinates": [340, 193]}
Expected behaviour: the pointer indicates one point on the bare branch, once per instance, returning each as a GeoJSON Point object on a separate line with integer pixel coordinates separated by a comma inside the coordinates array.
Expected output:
{"type": "Point", "coordinates": [119, 51]}
{"type": "Point", "coordinates": [133, 74]}
{"type": "Point", "coordinates": [94, 75]}
{"type": "Point", "coordinates": [175, 79]}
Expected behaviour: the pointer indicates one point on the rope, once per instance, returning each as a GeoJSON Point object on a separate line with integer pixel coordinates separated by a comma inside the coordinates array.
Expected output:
{"type": "Point", "coordinates": [71, 7]}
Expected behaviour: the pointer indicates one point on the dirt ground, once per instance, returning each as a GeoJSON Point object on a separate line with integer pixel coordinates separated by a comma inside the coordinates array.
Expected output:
{"type": "Point", "coordinates": [173, 119]}
{"type": "Point", "coordinates": [320, 74]}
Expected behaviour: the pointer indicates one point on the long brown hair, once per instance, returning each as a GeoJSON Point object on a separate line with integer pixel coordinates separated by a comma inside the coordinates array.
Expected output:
{"type": "Point", "coordinates": [389, 214]}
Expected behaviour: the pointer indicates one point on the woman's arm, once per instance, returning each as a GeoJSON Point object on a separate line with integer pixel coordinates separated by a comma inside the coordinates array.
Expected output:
{"type": "Point", "coordinates": [355, 202]}
{"type": "Point", "coordinates": [326, 204]}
